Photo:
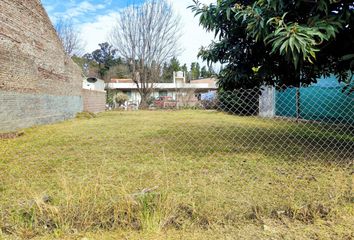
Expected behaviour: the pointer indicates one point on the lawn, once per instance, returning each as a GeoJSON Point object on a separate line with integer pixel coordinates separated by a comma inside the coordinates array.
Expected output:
{"type": "Point", "coordinates": [177, 175]}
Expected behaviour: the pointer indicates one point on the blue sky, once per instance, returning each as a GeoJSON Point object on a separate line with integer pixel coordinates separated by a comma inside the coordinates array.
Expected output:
{"type": "Point", "coordinates": [95, 18]}
{"type": "Point", "coordinates": [83, 10]}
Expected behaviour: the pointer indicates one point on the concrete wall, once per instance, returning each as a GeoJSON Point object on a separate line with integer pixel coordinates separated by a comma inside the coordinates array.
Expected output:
{"type": "Point", "coordinates": [20, 110]}
{"type": "Point", "coordinates": [267, 102]}
{"type": "Point", "coordinates": [39, 83]}
{"type": "Point", "coordinates": [94, 101]}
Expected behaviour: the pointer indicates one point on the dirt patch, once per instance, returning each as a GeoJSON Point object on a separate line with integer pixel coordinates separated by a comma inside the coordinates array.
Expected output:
{"type": "Point", "coordinates": [306, 214]}
{"type": "Point", "coordinates": [183, 214]}
{"type": "Point", "coordinates": [11, 135]}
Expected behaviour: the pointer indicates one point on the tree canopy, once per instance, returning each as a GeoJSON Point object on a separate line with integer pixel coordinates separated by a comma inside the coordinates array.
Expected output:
{"type": "Point", "coordinates": [195, 70]}
{"type": "Point", "coordinates": [106, 58]}
{"type": "Point", "coordinates": [169, 68]}
{"type": "Point", "coordinates": [279, 42]}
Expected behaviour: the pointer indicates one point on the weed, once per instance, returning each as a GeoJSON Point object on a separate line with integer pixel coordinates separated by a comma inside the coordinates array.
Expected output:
{"type": "Point", "coordinates": [85, 115]}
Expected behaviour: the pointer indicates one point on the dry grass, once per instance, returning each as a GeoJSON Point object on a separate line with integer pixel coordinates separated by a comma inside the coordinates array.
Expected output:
{"type": "Point", "coordinates": [215, 174]}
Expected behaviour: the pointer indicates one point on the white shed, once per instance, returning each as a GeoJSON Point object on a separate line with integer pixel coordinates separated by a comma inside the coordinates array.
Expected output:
{"type": "Point", "coordinates": [93, 84]}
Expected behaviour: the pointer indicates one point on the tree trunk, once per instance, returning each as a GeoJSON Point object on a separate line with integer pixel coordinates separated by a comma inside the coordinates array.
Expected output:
{"type": "Point", "coordinates": [144, 102]}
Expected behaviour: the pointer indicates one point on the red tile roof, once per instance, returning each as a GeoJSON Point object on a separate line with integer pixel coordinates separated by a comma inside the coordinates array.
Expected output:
{"type": "Point", "coordinates": [121, 80]}
{"type": "Point", "coordinates": [205, 80]}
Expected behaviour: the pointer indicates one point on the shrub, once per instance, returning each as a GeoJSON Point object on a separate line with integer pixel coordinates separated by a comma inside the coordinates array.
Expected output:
{"type": "Point", "coordinates": [242, 102]}
{"type": "Point", "coordinates": [151, 100]}
{"type": "Point", "coordinates": [121, 98]}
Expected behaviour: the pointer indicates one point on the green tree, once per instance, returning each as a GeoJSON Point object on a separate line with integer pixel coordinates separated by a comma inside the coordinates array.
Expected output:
{"type": "Point", "coordinates": [279, 42]}
{"type": "Point", "coordinates": [207, 72]}
{"type": "Point", "coordinates": [204, 72]}
{"type": "Point", "coordinates": [195, 70]}
{"type": "Point", "coordinates": [184, 68]}
{"type": "Point", "coordinates": [168, 69]}
{"type": "Point", "coordinates": [106, 58]}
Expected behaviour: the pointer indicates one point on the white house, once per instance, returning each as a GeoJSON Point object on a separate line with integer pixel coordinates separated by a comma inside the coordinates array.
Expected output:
{"type": "Point", "coordinates": [179, 90]}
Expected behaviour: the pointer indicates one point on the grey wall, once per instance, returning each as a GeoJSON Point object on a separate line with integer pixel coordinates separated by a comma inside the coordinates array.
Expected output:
{"type": "Point", "coordinates": [21, 110]}
{"type": "Point", "coordinates": [267, 102]}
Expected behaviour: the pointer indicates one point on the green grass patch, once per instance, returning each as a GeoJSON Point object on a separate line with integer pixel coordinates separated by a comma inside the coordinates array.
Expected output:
{"type": "Point", "coordinates": [212, 175]}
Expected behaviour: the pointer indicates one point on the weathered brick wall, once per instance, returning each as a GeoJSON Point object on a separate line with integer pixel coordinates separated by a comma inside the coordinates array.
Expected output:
{"type": "Point", "coordinates": [34, 67]}
{"type": "Point", "coordinates": [94, 101]}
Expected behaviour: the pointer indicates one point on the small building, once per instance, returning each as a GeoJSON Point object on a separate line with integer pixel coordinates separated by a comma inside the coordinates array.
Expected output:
{"type": "Point", "coordinates": [186, 94]}
{"type": "Point", "coordinates": [93, 83]}
{"type": "Point", "coordinates": [94, 95]}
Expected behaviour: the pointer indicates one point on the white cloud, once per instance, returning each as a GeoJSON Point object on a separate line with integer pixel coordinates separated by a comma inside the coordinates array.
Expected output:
{"type": "Point", "coordinates": [74, 11]}
{"type": "Point", "coordinates": [193, 36]}
{"type": "Point", "coordinates": [97, 32]}
{"type": "Point", "coordinates": [82, 8]}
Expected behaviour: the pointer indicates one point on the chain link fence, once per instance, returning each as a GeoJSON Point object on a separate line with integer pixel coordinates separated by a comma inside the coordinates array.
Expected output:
{"type": "Point", "coordinates": [234, 159]}
{"type": "Point", "coordinates": [303, 124]}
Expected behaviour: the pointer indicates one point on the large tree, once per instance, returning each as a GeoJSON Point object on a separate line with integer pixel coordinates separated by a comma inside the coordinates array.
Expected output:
{"type": "Point", "coordinates": [105, 57]}
{"type": "Point", "coordinates": [146, 36]}
{"type": "Point", "coordinates": [69, 37]}
{"type": "Point", "coordinates": [279, 42]}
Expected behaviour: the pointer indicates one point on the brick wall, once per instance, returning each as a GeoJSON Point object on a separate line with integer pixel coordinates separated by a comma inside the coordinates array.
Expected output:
{"type": "Point", "coordinates": [34, 68]}
{"type": "Point", "coordinates": [94, 101]}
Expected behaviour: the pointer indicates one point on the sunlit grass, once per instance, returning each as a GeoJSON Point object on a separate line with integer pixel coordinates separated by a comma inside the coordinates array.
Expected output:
{"type": "Point", "coordinates": [215, 175]}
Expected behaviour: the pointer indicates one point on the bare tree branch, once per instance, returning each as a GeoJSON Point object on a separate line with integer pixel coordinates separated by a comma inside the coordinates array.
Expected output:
{"type": "Point", "coordinates": [72, 43]}
{"type": "Point", "coordinates": [146, 36]}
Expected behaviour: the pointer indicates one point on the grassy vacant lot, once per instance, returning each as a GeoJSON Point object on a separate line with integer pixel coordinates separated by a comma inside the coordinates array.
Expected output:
{"type": "Point", "coordinates": [176, 175]}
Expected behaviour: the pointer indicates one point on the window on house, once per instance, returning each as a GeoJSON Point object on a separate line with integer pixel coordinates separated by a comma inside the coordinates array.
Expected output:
{"type": "Point", "coordinates": [162, 93]}
{"type": "Point", "coordinates": [128, 93]}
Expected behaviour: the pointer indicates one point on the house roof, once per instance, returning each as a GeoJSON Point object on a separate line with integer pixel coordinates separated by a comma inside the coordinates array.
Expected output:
{"type": "Point", "coordinates": [200, 84]}
{"type": "Point", "coordinates": [121, 80]}
{"type": "Point", "coordinates": [205, 80]}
